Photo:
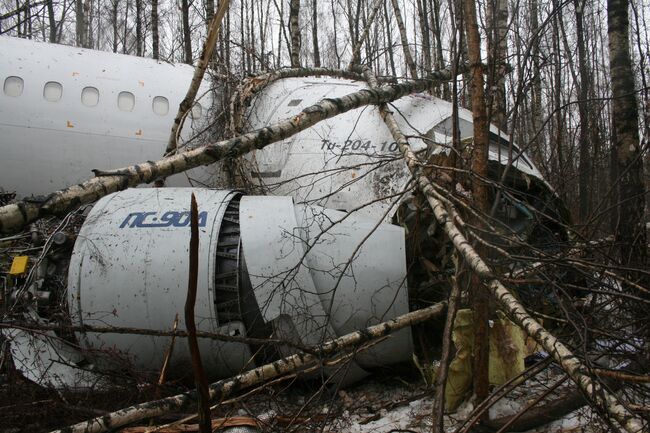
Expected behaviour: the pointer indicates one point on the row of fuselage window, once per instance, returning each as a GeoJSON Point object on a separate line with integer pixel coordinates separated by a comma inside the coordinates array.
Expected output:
{"type": "Point", "coordinates": [53, 92]}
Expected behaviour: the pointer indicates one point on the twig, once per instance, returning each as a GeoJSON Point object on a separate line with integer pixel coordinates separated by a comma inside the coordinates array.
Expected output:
{"type": "Point", "coordinates": [441, 379]}
{"type": "Point", "coordinates": [199, 71]}
{"type": "Point", "coordinates": [168, 354]}
{"type": "Point", "coordinates": [200, 379]}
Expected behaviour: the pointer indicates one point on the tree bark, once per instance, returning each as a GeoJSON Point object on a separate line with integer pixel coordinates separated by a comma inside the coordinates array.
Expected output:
{"type": "Point", "coordinates": [87, 21]}
{"type": "Point", "coordinates": [387, 22]}
{"type": "Point", "coordinates": [438, 410]}
{"type": "Point", "coordinates": [197, 78]}
{"type": "Point", "coordinates": [536, 94]}
{"type": "Point", "coordinates": [155, 38]}
{"type": "Point", "coordinates": [294, 30]}
{"type": "Point", "coordinates": [631, 231]}
{"type": "Point", "coordinates": [480, 300]}
{"type": "Point", "coordinates": [114, 6]}
{"type": "Point", "coordinates": [314, 31]}
{"type": "Point", "coordinates": [139, 43]}
{"type": "Point", "coordinates": [209, 13]}
{"type": "Point", "coordinates": [187, 36]}
{"type": "Point", "coordinates": [52, 21]}
{"type": "Point", "coordinates": [405, 43]}
{"type": "Point", "coordinates": [585, 118]}
{"type": "Point", "coordinates": [224, 388]}
{"type": "Point", "coordinates": [356, 51]}
{"type": "Point", "coordinates": [557, 98]}
{"type": "Point", "coordinates": [439, 59]}
{"type": "Point", "coordinates": [334, 28]}
{"type": "Point", "coordinates": [125, 27]}
{"type": "Point", "coordinates": [80, 23]}
{"type": "Point", "coordinates": [497, 16]}
{"type": "Point", "coordinates": [424, 29]}
{"type": "Point", "coordinates": [200, 379]}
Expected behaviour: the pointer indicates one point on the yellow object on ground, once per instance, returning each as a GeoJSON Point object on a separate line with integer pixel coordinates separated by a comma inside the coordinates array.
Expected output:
{"type": "Point", "coordinates": [459, 378]}
{"type": "Point", "coordinates": [19, 266]}
{"type": "Point", "coordinates": [507, 352]}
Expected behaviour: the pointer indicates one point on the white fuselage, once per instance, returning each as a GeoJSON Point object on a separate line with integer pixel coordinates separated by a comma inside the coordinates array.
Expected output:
{"type": "Point", "coordinates": [66, 110]}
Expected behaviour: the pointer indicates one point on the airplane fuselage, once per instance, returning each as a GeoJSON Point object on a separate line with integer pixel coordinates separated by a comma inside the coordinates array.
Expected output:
{"type": "Point", "coordinates": [66, 110]}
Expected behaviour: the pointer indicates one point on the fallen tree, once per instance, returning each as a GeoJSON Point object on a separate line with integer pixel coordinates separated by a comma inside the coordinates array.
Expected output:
{"type": "Point", "coordinates": [227, 387]}
{"type": "Point", "coordinates": [16, 216]}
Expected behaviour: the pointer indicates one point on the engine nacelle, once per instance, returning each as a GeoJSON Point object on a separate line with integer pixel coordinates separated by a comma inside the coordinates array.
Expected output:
{"type": "Point", "coordinates": [266, 267]}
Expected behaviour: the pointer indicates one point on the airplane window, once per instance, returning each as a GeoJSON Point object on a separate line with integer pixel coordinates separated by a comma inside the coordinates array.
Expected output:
{"type": "Point", "coordinates": [197, 111]}
{"type": "Point", "coordinates": [90, 96]}
{"type": "Point", "coordinates": [13, 86]}
{"type": "Point", "coordinates": [126, 101]}
{"type": "Point", "coordinates": [52, 91]}
{"type": "Point", "coordinates": [160, 105]}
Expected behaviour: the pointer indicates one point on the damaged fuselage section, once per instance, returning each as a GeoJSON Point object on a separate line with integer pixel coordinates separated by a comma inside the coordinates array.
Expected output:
{"type": "Point", "coordinates": [323, 252]}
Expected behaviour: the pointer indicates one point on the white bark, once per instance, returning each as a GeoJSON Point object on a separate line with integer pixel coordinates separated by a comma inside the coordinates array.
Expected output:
{"type": "Point", "coordinates": [224, 388]}
{"type": "Point", "coordinates": [14, 217]}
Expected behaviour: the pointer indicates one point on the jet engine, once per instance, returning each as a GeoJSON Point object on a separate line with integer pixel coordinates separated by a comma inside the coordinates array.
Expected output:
{"type": "Point", "coordinates": [267, 268]}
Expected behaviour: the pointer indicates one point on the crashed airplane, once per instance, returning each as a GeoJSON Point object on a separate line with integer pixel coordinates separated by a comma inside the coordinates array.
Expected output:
{"type": "Point", "coordinates": [321, 247]}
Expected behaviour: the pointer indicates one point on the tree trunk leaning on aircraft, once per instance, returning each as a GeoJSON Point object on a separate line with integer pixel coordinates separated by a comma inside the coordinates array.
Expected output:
{"type": "Point", "coordinates": [480, 193]}
{"type": "Point", "coordinates": [16, 216]}
{"type": "Point", "coordinates": [222, 389]}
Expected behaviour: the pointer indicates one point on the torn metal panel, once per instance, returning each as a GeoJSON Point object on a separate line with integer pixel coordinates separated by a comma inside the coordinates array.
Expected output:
{"type": "Point", "coordinates": [46, 360]}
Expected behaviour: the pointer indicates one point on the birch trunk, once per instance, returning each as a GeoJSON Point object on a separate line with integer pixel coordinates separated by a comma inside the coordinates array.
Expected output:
{"type": "Point", "coordinates": [405, 43]}
{"type": "Point", "coordinates": [209, 12]}
{"type": "Point", "coordinates": [585, 166]}
{"type": "Point", "coordinates": [187, 36]}
{"type": "Point", "coordinates": [497, 16]}
{"type": "Point", "coordinates": [51, 20]}
{"type": "Point", "coordinates": [15, 216]}
{"type": "Point", "coordinates": [225, 388]}
{"type": "Point", "coordinates": [138, 29]}
{"type": "Point", "coordinates": [199, 72]}
{"type": "Point", "coordinates": [294, 30]}
{"type": "Point", "coordinates": [80, 23]}
{"type": "Point", "coordinates": [423, 15]}
{"type": "Point", "coordinates": [114, 6]}
{"type": "Point", "coordinates": [599, 396]}
{"type": "Point", "coordinates": [356, 52]}
{"type": "Point", "coordinates": [631, 233]}
{"type": "Point", "coordinates": [155, 39]}
{"type": "Point", "coordinates": [314, 31]}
